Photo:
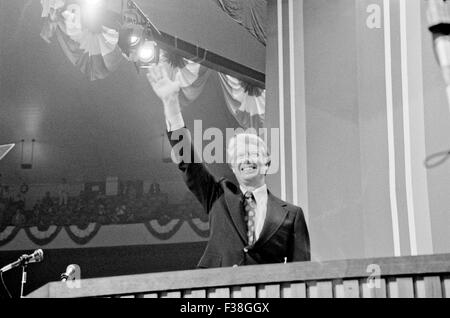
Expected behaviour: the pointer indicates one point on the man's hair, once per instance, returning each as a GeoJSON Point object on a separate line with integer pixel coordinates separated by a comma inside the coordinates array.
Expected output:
{"type": "Point", "coordinates": [248, 139]}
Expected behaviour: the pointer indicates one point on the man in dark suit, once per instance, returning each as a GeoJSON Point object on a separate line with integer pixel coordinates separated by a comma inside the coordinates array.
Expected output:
{"type": "Point", "coordinates": [248, 224]}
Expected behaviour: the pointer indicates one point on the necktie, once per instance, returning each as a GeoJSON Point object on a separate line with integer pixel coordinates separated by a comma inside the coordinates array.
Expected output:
{"type": "Point", "coordinates": [250, 210]}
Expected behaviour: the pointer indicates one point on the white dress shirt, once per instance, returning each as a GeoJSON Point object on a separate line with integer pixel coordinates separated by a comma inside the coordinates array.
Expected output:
{"type": "Point", "coordinates": [174, 122]}
{"type": "Point", "coordinates": [261, 198]}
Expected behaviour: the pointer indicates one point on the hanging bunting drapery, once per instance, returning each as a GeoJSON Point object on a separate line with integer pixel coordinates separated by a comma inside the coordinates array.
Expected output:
{"type": "Point", "coordinates": [42, 236]}
{"type": "Point", "coordinates": [245, 102]}
{"type": "Point", "coordinates": [92, 47]}
{"type": "Point", "coordinates": [7, 234]}
{"type": "Point", "coordinates": [191, 76]}
{"type": "Point", "coordinates": [200, 227]}
{"type": "Point", "coordinates": [83, 234]}
{"type": "Point", "coordinates": [162, 228]}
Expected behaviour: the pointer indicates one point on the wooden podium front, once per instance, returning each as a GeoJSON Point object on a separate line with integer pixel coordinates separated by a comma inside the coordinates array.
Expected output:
{"type": "Point", "coordinates": [415, 276]}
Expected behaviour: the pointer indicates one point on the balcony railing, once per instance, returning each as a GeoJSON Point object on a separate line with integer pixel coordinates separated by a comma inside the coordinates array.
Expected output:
{"type": "Point", "coordinates": [405, 277]}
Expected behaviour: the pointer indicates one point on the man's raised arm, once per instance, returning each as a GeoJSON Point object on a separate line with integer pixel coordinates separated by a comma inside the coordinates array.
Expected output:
{"type": "Point", "coordinates": [196, 176]}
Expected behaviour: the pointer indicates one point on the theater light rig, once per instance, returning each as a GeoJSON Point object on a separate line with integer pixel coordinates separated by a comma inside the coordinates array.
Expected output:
{"type": "Point", "coordinates": [138, 37]}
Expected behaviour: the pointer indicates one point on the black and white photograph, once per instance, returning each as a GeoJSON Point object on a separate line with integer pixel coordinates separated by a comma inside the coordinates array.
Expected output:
{"type": "Point", "coordinates": [242, 150]}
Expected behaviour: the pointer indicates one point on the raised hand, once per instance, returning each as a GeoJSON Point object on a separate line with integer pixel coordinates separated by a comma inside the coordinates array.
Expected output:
{"type": "Point", "coordinates": [166, 89]}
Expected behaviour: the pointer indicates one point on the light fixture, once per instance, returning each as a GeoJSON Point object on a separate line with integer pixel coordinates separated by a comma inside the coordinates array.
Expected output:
{"type": "Point", "coordinates": [138, 37]}
{"type": "Point", "coordinates": [138, 46]}
{"type": "Point", "coordinates": [93, 5]}
{"type": "Point", "coordinates": [27, 165]}
{"type": "Point", "coordinates": [135, 36]}
{"type": "Point", "coordinates": [93, 13]}
{"type": "Point", "coordinates": [147, 52]}
{"type": "Point", "coordinates": [129, 37]}
{"type": "Point", "coordinates": [134, 40]}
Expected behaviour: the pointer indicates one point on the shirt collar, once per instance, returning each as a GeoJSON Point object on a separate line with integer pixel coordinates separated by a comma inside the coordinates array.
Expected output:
{"type": "Point", "coordinates": [258, 193]}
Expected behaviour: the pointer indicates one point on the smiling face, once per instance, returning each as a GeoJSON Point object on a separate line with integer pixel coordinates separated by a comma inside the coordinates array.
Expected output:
{"type": "Point", "coordinates": [249, 159]}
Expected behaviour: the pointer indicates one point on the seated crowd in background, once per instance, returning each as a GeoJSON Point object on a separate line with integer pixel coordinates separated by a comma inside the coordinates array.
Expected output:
{"type": "Point", "coordinates": [87, 207]}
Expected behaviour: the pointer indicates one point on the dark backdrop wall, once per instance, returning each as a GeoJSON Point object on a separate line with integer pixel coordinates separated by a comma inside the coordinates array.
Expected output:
{"type": "Point", "coordinates": [100, 262]}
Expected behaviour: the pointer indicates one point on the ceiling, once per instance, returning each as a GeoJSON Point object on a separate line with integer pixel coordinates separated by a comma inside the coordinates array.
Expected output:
{"type": "Point", "coordinates": [83, 130]}
{"type": "Point", "coordinates": [203, 23]}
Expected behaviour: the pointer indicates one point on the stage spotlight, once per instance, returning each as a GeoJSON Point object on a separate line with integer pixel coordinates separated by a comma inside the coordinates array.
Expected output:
{"type": "Point", "coordinates": [93, 5]}
{"type": "Point", "coordinates": [134, 40]}
{"type": "Point", "coordinates": [92, 14]}
{"type": "Point", "coordinates": [129, 38]}
{"type": "Point", "coordinates": [137, 38]}
{"type": "Point", "coordinates": [142, 51]}
{"type": "Point", "coordinates": [147, 52]}
{"type": "Point", "coordinates": [136, 35]}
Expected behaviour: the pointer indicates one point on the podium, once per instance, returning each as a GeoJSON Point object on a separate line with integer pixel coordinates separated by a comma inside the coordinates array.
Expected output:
{"type": "Point", "coordinates": [396, 277]}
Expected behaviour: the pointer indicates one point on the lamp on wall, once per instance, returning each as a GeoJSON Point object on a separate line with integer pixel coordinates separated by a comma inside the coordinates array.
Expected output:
{"type": "Point", "coordinates": [27, 165]}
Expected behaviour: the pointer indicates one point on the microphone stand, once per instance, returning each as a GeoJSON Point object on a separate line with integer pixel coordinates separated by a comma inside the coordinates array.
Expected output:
{"type": "Point", "coordinates": [23, 261]}
{"type": "Point", "coordinates": [24, 278]}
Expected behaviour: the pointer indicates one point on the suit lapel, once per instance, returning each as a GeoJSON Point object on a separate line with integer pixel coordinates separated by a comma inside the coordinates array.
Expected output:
{"type": "Point", "coordinates": [236, 210]}
{"type": "Point", "coordinates": [275, 217]}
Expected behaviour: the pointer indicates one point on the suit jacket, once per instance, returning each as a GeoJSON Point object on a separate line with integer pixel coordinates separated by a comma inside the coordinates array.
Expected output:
{"type": "Point", "coordinates": [284, 233]}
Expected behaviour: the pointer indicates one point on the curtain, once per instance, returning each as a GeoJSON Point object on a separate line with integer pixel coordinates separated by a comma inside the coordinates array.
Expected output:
{"type": "Point", "coordinates": [249, 13]}
{"type": "Point", "coordinates": [91, 47]}
{"type": "Point", "coordinates": [245, 102]}
{"type": "Point", "coordinates": [192, 78]}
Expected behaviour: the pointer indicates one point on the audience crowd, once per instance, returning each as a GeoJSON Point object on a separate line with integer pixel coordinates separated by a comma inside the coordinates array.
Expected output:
{"type": "Point", "coordinates": [90, 207]}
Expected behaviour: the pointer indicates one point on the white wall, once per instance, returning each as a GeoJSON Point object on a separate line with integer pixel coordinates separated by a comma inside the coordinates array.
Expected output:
{"type": "Point", "coordinates": [370, 119]}
{"type": "Point", "coordinates": [437, 134]}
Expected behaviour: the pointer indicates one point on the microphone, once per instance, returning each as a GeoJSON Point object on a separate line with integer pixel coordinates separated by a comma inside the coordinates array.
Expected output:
{"type": "Point", "coordinates": [70, 270]}
{"type": "Point", "coordinates": [438, 15]}
{"type": "Point", "coordinates": [36, 257]}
